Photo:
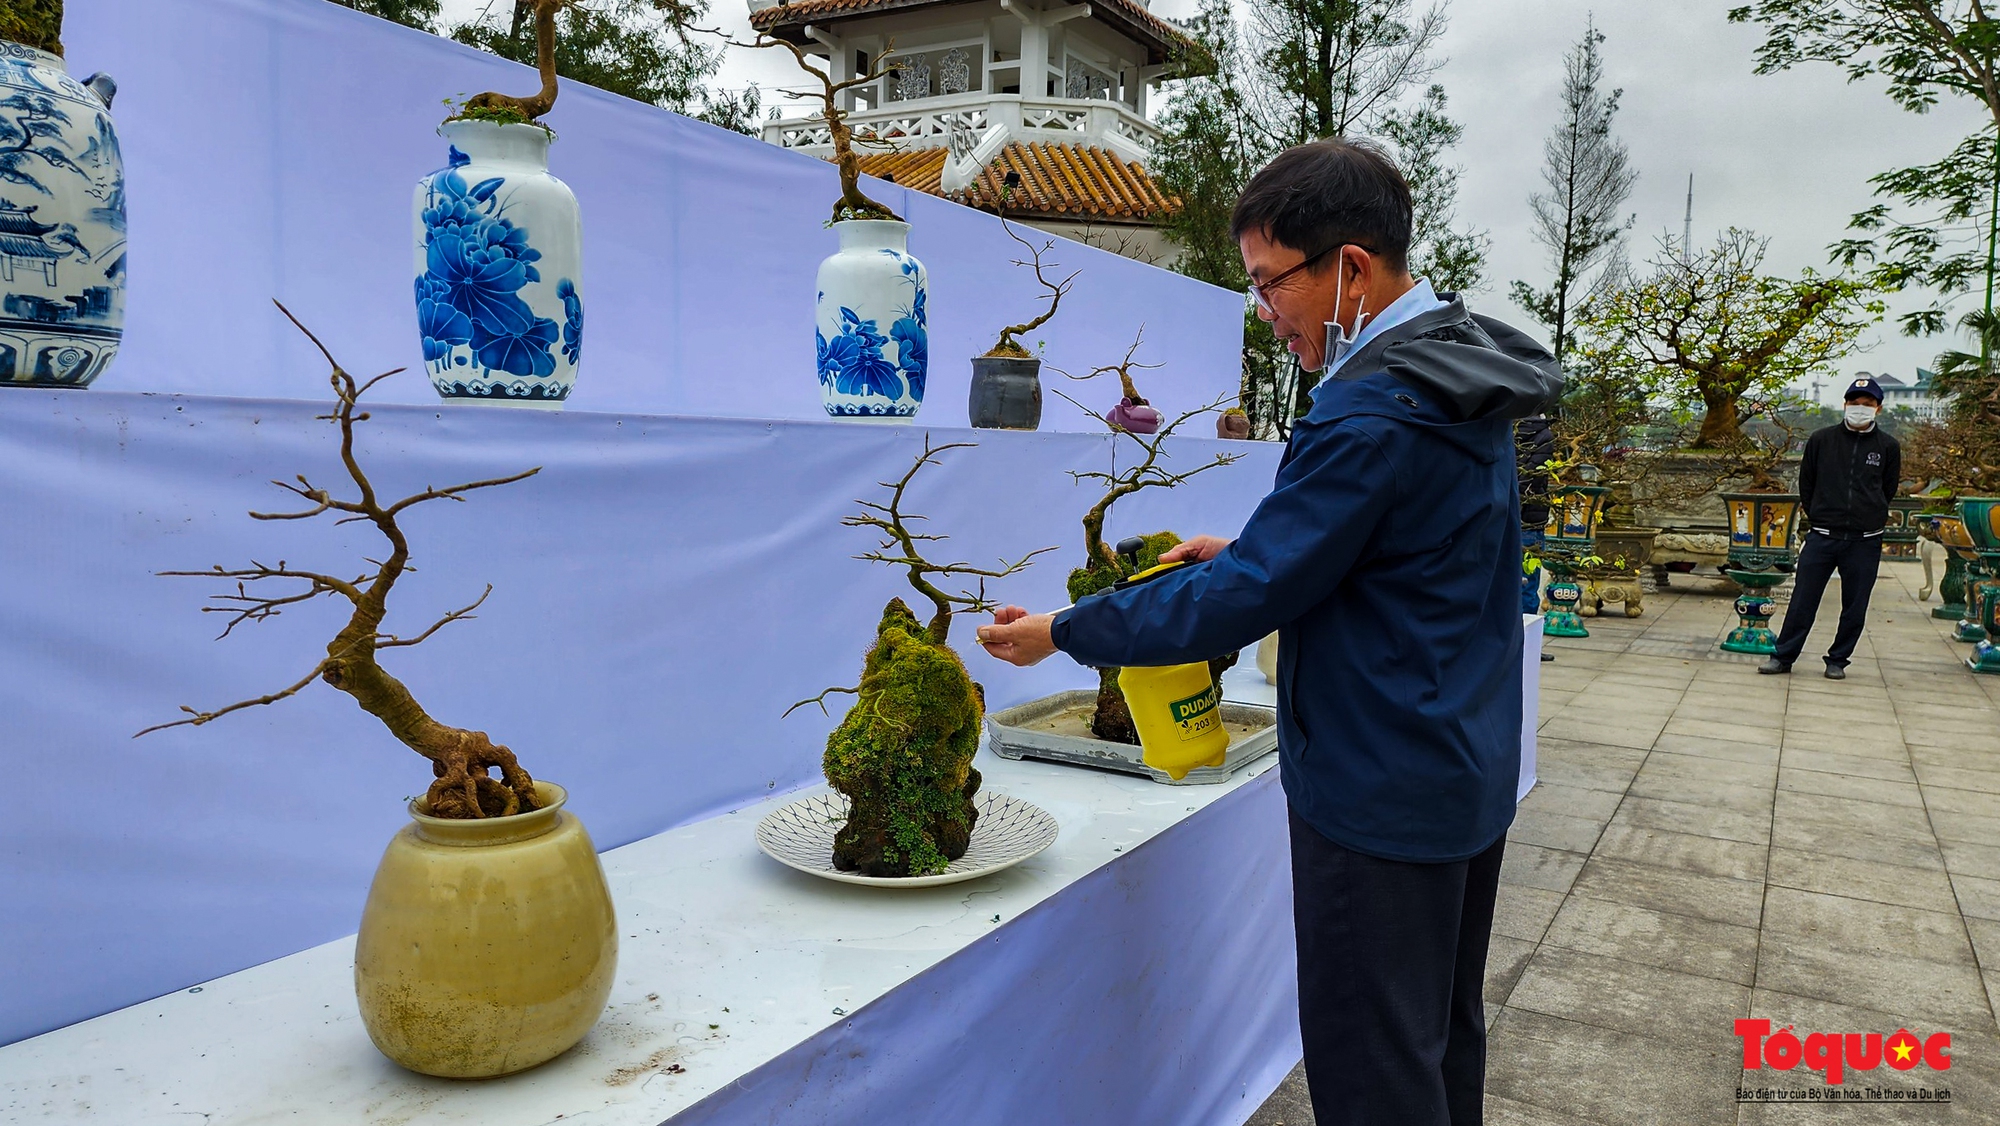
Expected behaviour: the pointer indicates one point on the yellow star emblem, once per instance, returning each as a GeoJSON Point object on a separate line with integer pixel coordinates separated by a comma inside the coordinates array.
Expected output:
{"type": "Point", "coordinates": [1902, 1050]}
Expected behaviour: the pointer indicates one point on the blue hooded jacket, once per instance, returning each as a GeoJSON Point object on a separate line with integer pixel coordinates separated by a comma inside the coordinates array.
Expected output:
{"type": "Point", "coordinates": [1388, 558]}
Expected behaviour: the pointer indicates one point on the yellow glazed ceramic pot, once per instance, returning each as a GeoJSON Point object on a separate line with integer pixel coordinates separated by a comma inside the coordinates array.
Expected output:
{"type": "Point", "coordinates": [487, 946]}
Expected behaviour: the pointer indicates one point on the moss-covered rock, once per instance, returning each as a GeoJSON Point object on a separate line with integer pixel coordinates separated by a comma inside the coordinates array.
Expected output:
{"type": "Point", "coordinates": [33, 23]}
{"type": "Point", "coordinates": [903, 755]}
{"type": "Point", "coordinates": [1112, 719]}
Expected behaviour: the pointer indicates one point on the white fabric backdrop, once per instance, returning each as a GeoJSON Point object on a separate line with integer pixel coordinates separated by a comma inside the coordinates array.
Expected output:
{"type": "Point", "coordinates": [272, 148]}
{"type": "Point", "coordinates": [663, 589]}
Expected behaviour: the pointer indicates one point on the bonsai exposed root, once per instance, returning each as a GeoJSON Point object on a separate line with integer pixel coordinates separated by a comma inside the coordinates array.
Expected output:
{"type": "Point", "coordinates": [492, 106]}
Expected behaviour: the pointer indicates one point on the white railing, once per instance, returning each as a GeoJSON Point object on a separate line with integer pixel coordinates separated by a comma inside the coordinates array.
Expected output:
{"type": "Point", "coordinates": [929, 123]}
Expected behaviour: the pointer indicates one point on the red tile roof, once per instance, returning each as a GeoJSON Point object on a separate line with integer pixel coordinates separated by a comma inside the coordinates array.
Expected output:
{"type": "Point", "coordinates": [1058, 181]}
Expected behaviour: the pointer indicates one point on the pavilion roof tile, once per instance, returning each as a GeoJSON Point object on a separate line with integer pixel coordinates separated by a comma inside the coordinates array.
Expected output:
{"type": "Point", "coordinates": [1080, 182]}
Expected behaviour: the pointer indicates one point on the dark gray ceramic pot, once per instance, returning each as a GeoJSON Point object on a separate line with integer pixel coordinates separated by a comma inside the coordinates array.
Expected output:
{"type": "Point", "coordinates": [1006, 393]}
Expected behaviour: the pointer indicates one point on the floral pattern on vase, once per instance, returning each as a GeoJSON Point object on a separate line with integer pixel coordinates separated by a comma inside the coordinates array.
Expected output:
{"type": "Point", "coordinates": [62, 223]}
{"type": "Point", "coordinates": [498, 262]}
{"type": "Point", "coordinates": [872, 332]}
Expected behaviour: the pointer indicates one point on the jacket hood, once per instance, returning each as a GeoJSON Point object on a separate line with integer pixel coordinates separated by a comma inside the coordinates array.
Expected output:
{"type": "Point", "coordinates": [1474, 368]}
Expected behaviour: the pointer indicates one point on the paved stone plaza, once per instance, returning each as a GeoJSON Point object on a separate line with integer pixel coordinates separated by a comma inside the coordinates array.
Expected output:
{"type": "Point", "coordinates": [1707, 844]}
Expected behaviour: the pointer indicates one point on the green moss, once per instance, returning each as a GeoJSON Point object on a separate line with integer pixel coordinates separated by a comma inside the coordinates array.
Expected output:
{"type": "Point", "coordinates": [33, 23]}
{"type": "Point", "coordinates": [1010, 350]}
{"type": "Point", "coordinates": [1100, 575]}
{"type": "Point", "coordinates": [498, 115]}
{"type": "Point", "coordinates": [903, 755]}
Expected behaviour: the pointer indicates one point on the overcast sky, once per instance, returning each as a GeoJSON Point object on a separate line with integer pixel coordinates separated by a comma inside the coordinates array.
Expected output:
{"type": "Point", "coordinates": [1787, 156]}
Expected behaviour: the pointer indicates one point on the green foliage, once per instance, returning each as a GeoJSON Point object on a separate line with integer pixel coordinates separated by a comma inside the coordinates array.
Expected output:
{"type": "Point", "coordinates": [1711, 333]}
{"type": "Point", "coordinates": [1923, 49]}
{"type": "Point", "coordinates": [1207, 153]}
{"type": "Point", "coordinates": [1587, 179]}
{"type": "Point", "coordinates": [33, 23]}
{"type": "Point", "coordinates": [1453, 261]}
{"type": "Point", "coordinates": [420, 14]}
{"type": "Point", "coordinates": [903, 754]}
{"type": "Point", "coordinates": [636, 48]}
{"type": "Point", "coordinates": [739, 111]}
{"type": "Point", "coordinates": [498, 115]}
{"type": "Point", "coordinates": [1962, 453]}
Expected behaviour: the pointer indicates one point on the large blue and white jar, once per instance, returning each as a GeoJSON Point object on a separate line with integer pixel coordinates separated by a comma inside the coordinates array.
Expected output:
{"type": "Point", "coordinates": [62, 223]}
{"type": "Point", "coordinates": [499, 270]}
{"type": "Point", "coordinates": [872, 328]}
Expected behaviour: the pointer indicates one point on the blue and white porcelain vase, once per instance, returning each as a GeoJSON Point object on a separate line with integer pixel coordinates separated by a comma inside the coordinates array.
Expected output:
{"type": "Point", "coordinates": [871, 324]}
{"type": "Point", "coordinates": [499, 270]}
{"type": "Point", "coordinates": [62, 223]}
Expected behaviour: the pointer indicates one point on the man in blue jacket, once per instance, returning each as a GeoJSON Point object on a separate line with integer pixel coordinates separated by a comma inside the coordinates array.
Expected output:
{"type": "Point", "coordinates": [1388, 558]}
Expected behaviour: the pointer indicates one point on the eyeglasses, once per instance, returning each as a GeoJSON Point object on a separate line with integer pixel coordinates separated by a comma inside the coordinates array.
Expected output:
{"type": "Point", "coordinates": [1259, 289]}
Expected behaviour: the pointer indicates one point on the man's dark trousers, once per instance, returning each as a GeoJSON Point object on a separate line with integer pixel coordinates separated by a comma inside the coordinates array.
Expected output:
{"type": "Point", "coordinates": [1857, 558]}
{"type": "Point", "coordinates": [1392, 963]}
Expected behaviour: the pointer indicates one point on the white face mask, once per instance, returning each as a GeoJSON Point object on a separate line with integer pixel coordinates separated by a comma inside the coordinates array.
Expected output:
{"type": "Point", "coordinates": [1860, 415]}
{"type": "Point", "coordinates": [1339, 341]}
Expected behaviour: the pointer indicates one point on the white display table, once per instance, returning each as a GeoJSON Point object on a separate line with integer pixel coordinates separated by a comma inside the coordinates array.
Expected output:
{"type": "Point", "coordinates": [726, 961]}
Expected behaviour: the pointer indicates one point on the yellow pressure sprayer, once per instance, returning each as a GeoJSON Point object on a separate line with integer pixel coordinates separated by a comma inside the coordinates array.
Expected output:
{"type": "Point", "coordinates": [1177, 708]}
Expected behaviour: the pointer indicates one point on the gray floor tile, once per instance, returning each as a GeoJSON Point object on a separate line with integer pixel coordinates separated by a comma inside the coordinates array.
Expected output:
{"type": "Point", "coordinates": [1861, 766]}
{"type": "Point", "coordinates": [1536, 1060]}
{"type": "Point", "coordinates": [1847, 786]}
{"type": "Point", "coordinates": [1865, 816]}
{"type": "Point", "coordinates": [1924, 888]}
{"type": "Point", "coordinates": [1864, 927]}
{"type": "Point", "coordinates": [1709, 856]}
{"type": "Point", "coordinates": [1675, 890]}
{"type": "Point", "coordinates": [1554, 830]}
{"type": "Point", "coordinates": [1912, 988]}
{"type": "Point", "coordinates": [1704, 747]}
{"type": "Point", "coordinates": [1655, 938]}
{"type": "Point", "coordinates": [1505, 958]}
{"type": "Point", "coordinates": [1522, 912]}
{"type": "Point", "coordinates": [1701, 820]}
{"type": "Point", "coordinates": [1628, 997]}
{"type": "Point", "coordinates": [1534, 866]}
{"type": "Point", "coordinates": [1833, 838]}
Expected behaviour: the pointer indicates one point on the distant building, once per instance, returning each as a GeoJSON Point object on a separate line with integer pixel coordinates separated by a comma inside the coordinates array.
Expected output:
{"type": "Point", "coordinates": [1916, 396]}
{"type": "Point", "coordinates": [1050, 93]}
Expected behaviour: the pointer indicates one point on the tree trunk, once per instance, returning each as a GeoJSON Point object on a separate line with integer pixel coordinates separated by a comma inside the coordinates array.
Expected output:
{"type": "Point", "coordinates": [1720, 427]}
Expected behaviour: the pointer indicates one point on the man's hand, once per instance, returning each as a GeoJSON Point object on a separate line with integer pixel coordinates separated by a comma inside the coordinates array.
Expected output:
{"type": "Point", "coordinates": [1200, 549]}
{"type": "Point", "coordinates": [1018, 637]}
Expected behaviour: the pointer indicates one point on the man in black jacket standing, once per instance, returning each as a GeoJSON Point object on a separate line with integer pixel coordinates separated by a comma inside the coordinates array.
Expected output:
{"type": "Point", "coordinates": [1846, 479]}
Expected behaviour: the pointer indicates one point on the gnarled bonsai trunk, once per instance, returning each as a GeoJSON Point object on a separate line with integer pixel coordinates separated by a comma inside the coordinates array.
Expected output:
{"type": "Point", "coordinates": [531, 108]}
{"type": "Point", "coordinates": [1721, 425]}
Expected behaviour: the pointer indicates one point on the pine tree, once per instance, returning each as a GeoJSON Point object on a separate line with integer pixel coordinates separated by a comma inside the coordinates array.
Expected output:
{"type": "Point", "coordinates": [1588, 179]}
{"type": "Point", "coordinates": [420, 14]}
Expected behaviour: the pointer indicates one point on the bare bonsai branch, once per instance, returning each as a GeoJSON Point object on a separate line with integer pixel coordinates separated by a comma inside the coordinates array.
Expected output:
{"type": "Point", "coordinates": [461, 760]}
{"type": "Point", "coordinates": [899, 548]}
{"type": "Point", "coordinates": [504, 108]}
{"type": "Point", "coordinates": [1056, 291]}
{"type": "Point", "coordinates": [853, 203]}
{"type": "Point", "coordinates": [820, 700]}
{"type": "Point", "coordinates": [1124, 369]}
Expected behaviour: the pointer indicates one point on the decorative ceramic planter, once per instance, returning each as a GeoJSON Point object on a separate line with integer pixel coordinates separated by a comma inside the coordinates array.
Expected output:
{"type": "Point", "coordinates": [486, 946]}
{"type": "Point", "coordinates": [499, 254]}
{"type": "Point", "coordinates": [1006, 393]}
{"type": "Point", "coordinates": [62, 223]}
{"type": "Point", "coordinates": [871, 325]}
{"type": "Point", "coordinates": [1981, 517]}
{"type": "Point", "coordinates": [1899, 538]}
{"type": "Point", "coordinates": [1760, 529]}
{"type": "Point", "coordinates": [1568, 539]}
{"type": "Point", "coordinates": [1139, 418]}
{"type": "Point", "coordinates": [1950, 533]}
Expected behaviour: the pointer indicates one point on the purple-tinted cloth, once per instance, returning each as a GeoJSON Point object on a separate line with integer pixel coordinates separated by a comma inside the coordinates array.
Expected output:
{"type": "Point", "coordinates": [272, 149]}
{"type": "Point", "coordinates": [1158, 989]}
{"type": "Point", "coordinates": [662, 590]}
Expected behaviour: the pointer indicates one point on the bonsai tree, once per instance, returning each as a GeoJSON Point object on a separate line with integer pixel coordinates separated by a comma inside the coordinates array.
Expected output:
{"type": "Point", "coordinates": [33, 23]}
{"type": "Point", "coordinates": [903, 753]}
{"type": "Point", "coordinates": [1713, 333]}
{"type": "Point", "coordinates": [505, 109]}
{"type": "Point", "coordinates": [1008, 346]}
{"type": "Point", "coordinates": [461, 760]}
{"type": "Point", "coordinates": [853, 202]}
{"type": "Point", "coordinates": [1961, 454]}
{"type": "Point", "coordinates": [1103, 567]}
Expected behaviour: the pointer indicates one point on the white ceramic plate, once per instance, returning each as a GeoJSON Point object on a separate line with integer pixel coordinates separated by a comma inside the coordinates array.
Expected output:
{"type": "Point", "coordinates": [1009, 830]}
